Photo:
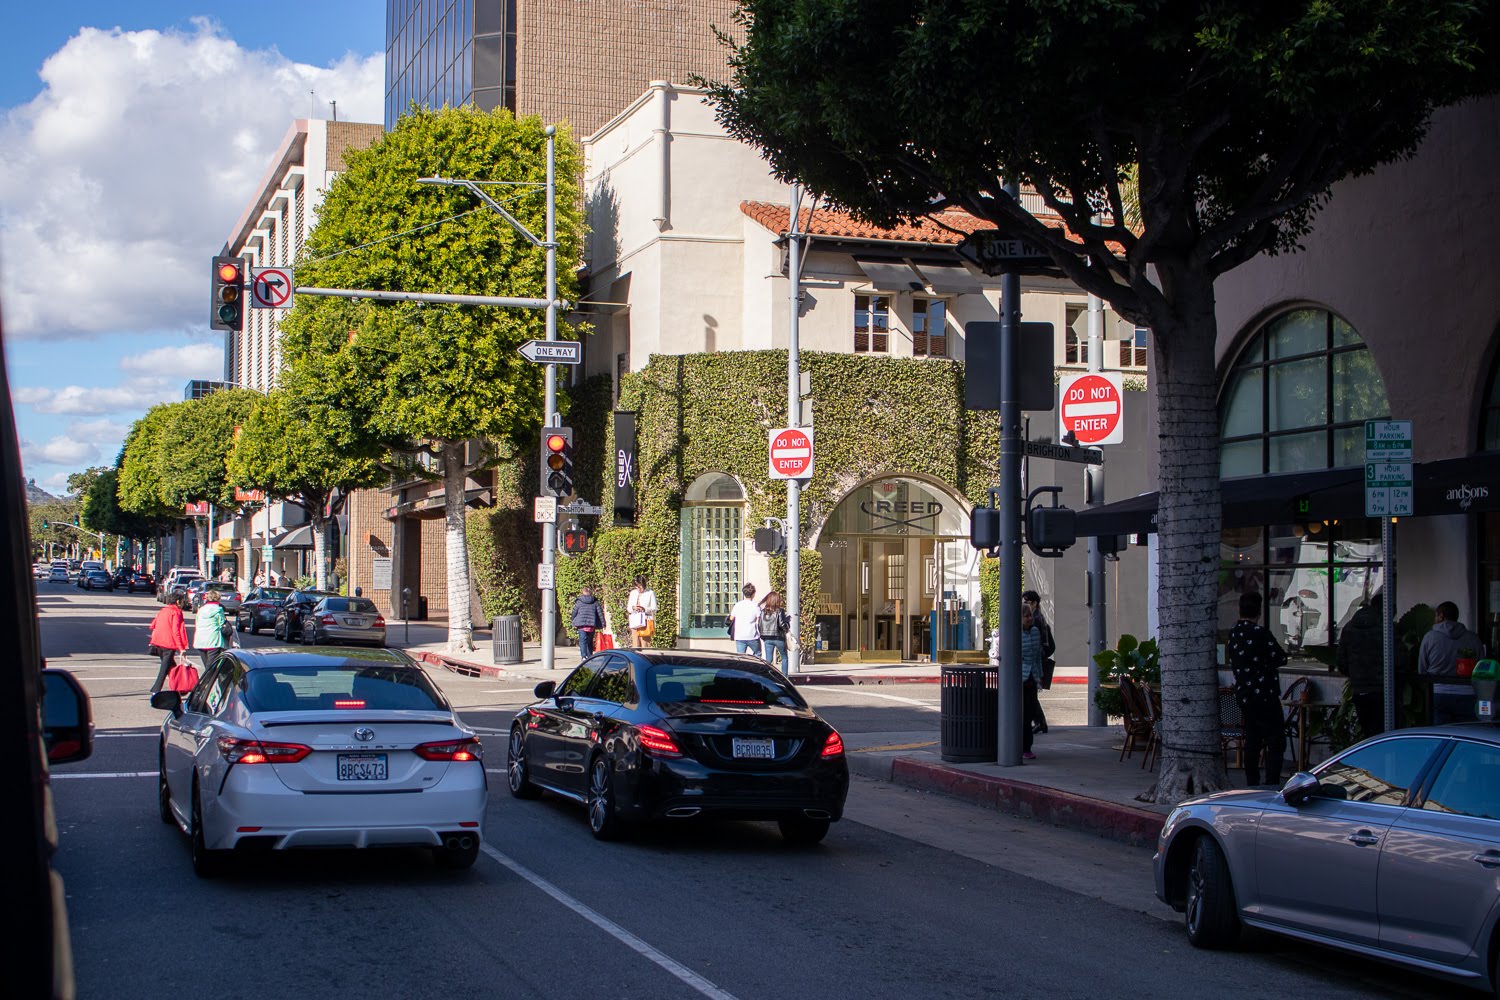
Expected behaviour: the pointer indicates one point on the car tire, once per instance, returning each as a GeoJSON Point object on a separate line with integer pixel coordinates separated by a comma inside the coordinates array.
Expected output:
{"type": "Point", "coordinates": [276, 632]}
{"type": "Point", "coordinates": [803, 832]}
{"type": "Point", "coordinates": [206, 863]}
{"type": "Point", "coordinates": [517, 771]}
{"type": "Point", "coordinates": [239, 624]}
{"type": "Point", "coordinates": [308, 636]}
{"type": "Point", "coordinates": [1210, 915]}
{"type": "Point", "coordinates": [604, 820]}
{"type": "Point", "coordinates": [457, 858]}
{"type": "Point", "coordinates": [163, 790]}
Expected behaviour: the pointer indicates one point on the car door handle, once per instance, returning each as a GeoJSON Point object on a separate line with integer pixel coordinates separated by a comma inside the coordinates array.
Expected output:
{"type": "Point", "coordinates": [1363, 838]}
{"type": "Point", "coordinates": [1489, 859]}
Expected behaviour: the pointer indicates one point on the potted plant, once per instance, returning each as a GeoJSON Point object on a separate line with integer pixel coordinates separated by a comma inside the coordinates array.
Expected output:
{"type": "Point", "coordinates": [1466, 660]}
{"type": "Point", "coordinates": [1140, 661]}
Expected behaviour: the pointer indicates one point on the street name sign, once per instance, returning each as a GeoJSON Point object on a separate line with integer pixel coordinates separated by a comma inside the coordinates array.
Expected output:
{"type": "Point", "coordinates": [552, 352]}
{"type": "Point", "coordinates": [1092, 407]}
{"type": "Point", "coordinates": [271, 287]}
{"type": "Point", "coordinates": [792, 453]}
{"type": "Point", "coordinates": [545, 510]}
{"type": "Point", "coordinates": [1064, 453]}
{"type": "Point", "coordinates": [1388, 469]}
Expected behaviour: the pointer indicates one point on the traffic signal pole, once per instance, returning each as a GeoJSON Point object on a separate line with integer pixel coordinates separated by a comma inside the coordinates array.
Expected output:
{"type": "Point", "coordinates": [1093, 491]}
{"type": "Point", "coordinates": [794, 419]}
{"type": "Point", "coordinates": [1011, 450]}
{"type": "Point", "coordinates": [549, 529]}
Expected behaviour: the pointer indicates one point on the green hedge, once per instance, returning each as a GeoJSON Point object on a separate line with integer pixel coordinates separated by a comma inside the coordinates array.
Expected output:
{"type": "Point", "coordinates": [504, 543]}
{"type": "Point", "coordinates": [810, 576]}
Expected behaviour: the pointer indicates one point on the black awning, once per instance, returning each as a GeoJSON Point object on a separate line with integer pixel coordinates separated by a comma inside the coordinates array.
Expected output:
{"type": "Point", "coordinates": [1283, 498]}
{"type": "Point", "coordinates": [1466, 485]}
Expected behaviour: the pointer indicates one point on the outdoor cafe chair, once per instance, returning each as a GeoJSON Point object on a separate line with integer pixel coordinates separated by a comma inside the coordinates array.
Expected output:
{"type": "Point", "coordinates": [1231, 725]}
{"type": "Point", "coordinates": [1138, 727]}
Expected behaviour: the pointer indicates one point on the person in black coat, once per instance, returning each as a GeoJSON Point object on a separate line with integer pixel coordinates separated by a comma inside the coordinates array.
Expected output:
{"type": "Point", "coordinates": [1360, 657]}
{"type": "Point", "coordinates": [587, 618]}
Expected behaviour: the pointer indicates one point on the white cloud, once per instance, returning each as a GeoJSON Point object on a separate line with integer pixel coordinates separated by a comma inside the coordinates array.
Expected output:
{"type": "Point", "coordinates": [56, 484]}
{"type": "Point", "coordinates": [188, 361]}
{"type": "Point", "coordinates": [124, 176]}
{"type": "Point", "coordinates": [59, 451]}
{"type": "Point", "coordinates": [134, 394]}
{"type": "Point", "coordinates": [97, 431]}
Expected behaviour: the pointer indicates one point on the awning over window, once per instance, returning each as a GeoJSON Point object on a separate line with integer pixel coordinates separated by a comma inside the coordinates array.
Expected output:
{"type": "Point", "coordinates": [1277, 499]}
{"type": "Point", "coordinates": [890, 275]}
{"type": "Point", "coordinates": [297, 538]}
{"type": "Point", "coordinates": [946, 280]}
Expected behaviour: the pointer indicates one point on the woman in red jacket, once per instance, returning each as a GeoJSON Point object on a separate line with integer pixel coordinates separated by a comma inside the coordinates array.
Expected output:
{"type": "Point", "coordinates": [168, 636]}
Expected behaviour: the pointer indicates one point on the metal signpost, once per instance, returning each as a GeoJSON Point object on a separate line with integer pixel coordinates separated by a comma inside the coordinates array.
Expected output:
{"type": "Point", "coordinates": [794, 237]}
{"type": "Point", "coordinates": [1388, 495]}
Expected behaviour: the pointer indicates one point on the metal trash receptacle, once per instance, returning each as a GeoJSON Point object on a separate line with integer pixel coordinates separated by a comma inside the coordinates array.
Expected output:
{"type": "Point", "coordinates": [507, 639]}
{"type": "Point", "coordinates": [970, 714]}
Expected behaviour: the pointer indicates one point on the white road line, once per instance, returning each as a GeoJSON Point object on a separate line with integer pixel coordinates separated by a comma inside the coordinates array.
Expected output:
{"type": "Point", "coordinates": [611, 928]}
{"type": "Point", "coordinates": [106, 774]}
{"type": "Point", "coordinates": [506, 691]}
{"type": "Point", "coordinates": [121, 736]}
{"type": "Point", "coordinates": [855, 689]}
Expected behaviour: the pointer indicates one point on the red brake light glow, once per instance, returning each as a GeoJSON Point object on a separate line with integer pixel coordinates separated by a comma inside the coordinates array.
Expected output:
{"type": "Point", "coordinates": [658, 741]}
{"type": "Point", "coordinates": [466, 749]}
{"type": "Point", "coordinates": [833, 746]}
{"type": "Point", "coordinates": [238, 751]}
{"type": "Point", "coordinates": [349, 703]}
{"type": "Point", "coordinates": [731, 701]}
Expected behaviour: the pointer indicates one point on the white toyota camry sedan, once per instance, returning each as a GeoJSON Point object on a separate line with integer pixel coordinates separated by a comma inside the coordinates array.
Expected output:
{"type": "Point", "coordinates": [277, 749]}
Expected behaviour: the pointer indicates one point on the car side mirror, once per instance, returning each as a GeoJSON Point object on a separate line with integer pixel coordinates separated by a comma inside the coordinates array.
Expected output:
{"type": "Point", "coordinates": [168, 701]}
{"type": "Point", "coordinates": [1299, 788]}
{"type": "Point", "coordinates": [544, 689]}
{"type": "Point", "coordinates": [67, 718]}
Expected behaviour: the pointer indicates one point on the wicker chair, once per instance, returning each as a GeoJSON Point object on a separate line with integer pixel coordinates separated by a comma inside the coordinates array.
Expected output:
{"type": "Point", "coordinates": [1151, 699]}
{"type": "Point", "coordinates": [1139, 730]}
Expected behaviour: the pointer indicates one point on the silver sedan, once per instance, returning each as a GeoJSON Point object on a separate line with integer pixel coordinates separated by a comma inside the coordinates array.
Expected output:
{"type": "Point", "coordinates": [344, 621]}
{"type": "Point", "coordinates": [1390, 850]}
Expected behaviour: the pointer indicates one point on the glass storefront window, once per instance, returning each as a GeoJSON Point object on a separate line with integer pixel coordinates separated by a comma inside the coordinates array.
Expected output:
{"type": "Point", "coordinates": [712, 548]}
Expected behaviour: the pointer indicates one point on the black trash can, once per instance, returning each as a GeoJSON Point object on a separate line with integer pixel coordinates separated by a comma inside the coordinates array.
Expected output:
{"type": "Point", "coordinates": [507, 639]}
{"type": "Point", "coordinates": [422, 607]}
{"type": "Point", "coordinates": [971, 714]}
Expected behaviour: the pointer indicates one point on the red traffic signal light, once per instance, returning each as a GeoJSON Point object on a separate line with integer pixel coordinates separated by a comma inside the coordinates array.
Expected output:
{"type": "Point", "coordinates": [557, 462]}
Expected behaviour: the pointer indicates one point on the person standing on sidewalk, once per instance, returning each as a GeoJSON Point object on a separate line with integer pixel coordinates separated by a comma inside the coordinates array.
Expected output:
{"type": "Point", "coordinates": [587, 618]}
{"type": "Point", "coordinates": [1031, 677]}
{"type": "Point", "coordinates": [641, 606]}
{"type": "Point", "coordinates": [744, 623]}
{"type": "Point", "coordinates": [1255, 657]}
{"type": "Point", "coordinates": [1438, 655]}
{"type": "Point", "coordinates": [168, 637]}
{"type": "Point", "coordinates": [208, 628]}
{"type": "Point", "coordinates": [773, 626]}
{"type": "Point", "coordinates": [1360, 657]}
{"type": "Point", "coordinates": [1033, 600]}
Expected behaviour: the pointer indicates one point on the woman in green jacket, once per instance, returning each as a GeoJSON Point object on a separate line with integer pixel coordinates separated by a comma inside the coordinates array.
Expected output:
{"type": "Point", "coordinates": [208, 628]}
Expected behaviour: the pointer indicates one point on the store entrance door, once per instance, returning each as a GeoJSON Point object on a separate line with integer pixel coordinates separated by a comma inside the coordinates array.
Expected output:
{"type": "Point", "coordinates": [882, 605]}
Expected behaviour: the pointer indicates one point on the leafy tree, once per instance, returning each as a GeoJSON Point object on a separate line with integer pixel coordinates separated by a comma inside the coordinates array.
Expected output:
{"type": "Point", "coordinates": [54, 539]}
{"type": "Point", "coordinates": [443, 383]}
{"type": "Point", "coordinates": [304, 454]}
{"type": "Point", "coordinates": [1234, 119]}
{"type": "Point", "coordinates": [140, 489]}
{"type": "Point", "coordinates": [193, 451]}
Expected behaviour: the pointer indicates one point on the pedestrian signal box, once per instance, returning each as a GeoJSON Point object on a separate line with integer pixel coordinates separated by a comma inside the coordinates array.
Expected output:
{"type": "Point", "coordinates": [575, 540]}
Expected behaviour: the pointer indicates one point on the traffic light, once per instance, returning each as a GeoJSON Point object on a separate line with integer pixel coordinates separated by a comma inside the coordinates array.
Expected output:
{"type": "Point", "coordinates": [575, 540]}
{"type": "Point", "coordinates": [227, 308]}
{"type": "Point", "coordinates": [557, 462]}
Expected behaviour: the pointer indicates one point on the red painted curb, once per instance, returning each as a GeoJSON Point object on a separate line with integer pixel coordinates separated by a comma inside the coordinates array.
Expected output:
{"type": "Point", "coordinates": [466, 667]}
{"type": "Point", "coordinates": [1051, 805]}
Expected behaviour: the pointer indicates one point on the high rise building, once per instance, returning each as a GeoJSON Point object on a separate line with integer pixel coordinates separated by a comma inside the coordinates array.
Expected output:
{"type": "Point", "coordinates": [579, 61]}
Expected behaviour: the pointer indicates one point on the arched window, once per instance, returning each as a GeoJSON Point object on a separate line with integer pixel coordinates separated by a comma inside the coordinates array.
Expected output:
{"type": "Point", "coordinates": [1298, 396]}
{"type": "Point", "coordinates": [713, 513]}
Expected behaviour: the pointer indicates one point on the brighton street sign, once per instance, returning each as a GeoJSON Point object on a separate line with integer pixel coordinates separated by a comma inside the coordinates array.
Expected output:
{"type": "Point", "coordinates": [1092, 407]}
{"type": "Point", "coordinates": [1063, 453]}
{"type": "Point", "coordinates": [1388, 469]}
{"type": "Point", "coordinates": [552, 352]}
{"type": "Point", "coordinates": [792, 453]}
{"type": "Point", "coordinates": [271, 287]}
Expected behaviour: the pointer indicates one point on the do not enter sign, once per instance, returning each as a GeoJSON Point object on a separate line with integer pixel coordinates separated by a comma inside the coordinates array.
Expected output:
{"type": "Point", "coordinates": [792, 453]}
{"type": "Point", "coordinates": [1092, 407]}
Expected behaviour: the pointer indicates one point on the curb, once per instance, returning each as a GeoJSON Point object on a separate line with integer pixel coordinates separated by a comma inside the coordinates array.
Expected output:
{"type": "Point", "coordinates": [1136, 827]}
{"type": "Point", "coordinates": [467, 668]}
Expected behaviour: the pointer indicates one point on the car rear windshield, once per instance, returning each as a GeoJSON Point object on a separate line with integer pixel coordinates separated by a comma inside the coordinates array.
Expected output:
{"type": "Point", "coordinates": [704, 684]}
{"type": "Point", "coordinates": [312, 689]}
{"type": "Point", "coordinates": [357, 605]}
{"type": "Point", "coordinates": [277, 592]}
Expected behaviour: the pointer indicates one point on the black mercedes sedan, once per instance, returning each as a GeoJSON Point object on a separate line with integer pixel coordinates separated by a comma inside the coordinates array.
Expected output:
{"type": "Point", "coordinates": [639, 735]}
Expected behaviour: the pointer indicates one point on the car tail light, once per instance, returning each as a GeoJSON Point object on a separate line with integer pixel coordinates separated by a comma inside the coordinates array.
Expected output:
{"type": "Point", "coordinates": [658, 741]}
{"type": "Point", "coordinates": [238, 751]}
{"type": "Point", "coordinates": [834, 745]}
{"type": "Point", "coordinates": [731, 701]}
{"type": "Point", "coordinates": [328, 620]}
{"type": "Point", "coordinates": [465, 749]}
{"type": "Point", "coordinates": [379, 622]}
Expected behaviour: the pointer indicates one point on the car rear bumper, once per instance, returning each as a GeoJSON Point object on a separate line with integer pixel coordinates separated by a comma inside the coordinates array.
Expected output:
{"type": "Point", "coordinates": [683, 788]}
{"type": "Point", "coordinates": [340, 633]}
{"type": "Point", "coordinates": [284, 819]}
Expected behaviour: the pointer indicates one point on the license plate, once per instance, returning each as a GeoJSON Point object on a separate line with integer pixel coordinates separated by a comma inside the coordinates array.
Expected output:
{"type": "Point", "coordinates": [354, 621]}
{"type": "Point", "coordinates": [362, 767]}
{"type": "Point", "coordinates": [763, 749]}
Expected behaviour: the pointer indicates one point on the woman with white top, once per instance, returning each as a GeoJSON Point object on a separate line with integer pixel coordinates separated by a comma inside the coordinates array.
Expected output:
{"type": "Point", "coordinates": [641, 605]}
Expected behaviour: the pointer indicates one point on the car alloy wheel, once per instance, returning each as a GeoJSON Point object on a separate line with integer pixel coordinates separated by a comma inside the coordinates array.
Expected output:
{"type": "Point", "coordinates": [603, 821]}
{"type": "Point", "coordinates": [515, 766]}
{"type": "Point", "coordinates": [206, 863]}
{"type": "Point", "coordinates": [1209, 915]}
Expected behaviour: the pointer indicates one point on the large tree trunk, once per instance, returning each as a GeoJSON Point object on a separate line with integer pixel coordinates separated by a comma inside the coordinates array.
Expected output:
{"type": "Point", "coordinates": [460, 637]}
{"type": "Point", "coordinates": [320, 545]}
{"type": "Point", "coordinates": [1192, 759]}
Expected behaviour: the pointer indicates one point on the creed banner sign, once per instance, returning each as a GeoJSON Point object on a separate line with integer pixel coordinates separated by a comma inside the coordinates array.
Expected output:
{"type": "Point", "coordinates": [1092, 407]}
{"type": "Point", "coordinates": [792, 453]}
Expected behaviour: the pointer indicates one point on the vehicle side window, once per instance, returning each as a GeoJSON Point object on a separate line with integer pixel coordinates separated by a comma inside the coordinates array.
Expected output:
{"type": "Point", "coordinates": [208, 695]}
{"type": "Point", "coordinates": [1380, 772]}
{"type": "Point", "coordinates": [615, 683]}
{"type": "Point", "coordinates": [1469, 783]}
{"type": "Point", "coordinates": [578, 681]}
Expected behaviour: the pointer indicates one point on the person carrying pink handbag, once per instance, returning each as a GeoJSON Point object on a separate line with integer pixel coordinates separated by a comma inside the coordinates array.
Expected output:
{"type": "Point", "coordinates": [168, 637]}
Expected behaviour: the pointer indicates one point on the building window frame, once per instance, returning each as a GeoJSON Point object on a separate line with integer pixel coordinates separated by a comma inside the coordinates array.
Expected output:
{"type": "Point", "coordinates": [872, 323]}
{"type": "Point", "coordinates": [1075, 344]}
{"type": "Point", "coordinates": [925, 312]}
{"type": "Point", "coordinates": [711, 566]}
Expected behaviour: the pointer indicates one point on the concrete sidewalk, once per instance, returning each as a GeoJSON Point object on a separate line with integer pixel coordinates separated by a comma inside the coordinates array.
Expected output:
{"type": "Point", "coordinates": [1077, 781]}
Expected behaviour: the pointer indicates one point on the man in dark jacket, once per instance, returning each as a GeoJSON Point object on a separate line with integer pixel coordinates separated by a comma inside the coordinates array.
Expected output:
{"type": "Point", "coordinates": [1361, 658]}
{"type": "Point", "coordinates": [587, 618]}
{"type": "Point", "coordinates": [1255, 656]}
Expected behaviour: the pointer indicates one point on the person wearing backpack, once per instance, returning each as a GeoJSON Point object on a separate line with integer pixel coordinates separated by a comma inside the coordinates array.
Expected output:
{"type": "Point", "coordinates": [773, 628]}
{"type": "Point", "coordinates": [744, 623]}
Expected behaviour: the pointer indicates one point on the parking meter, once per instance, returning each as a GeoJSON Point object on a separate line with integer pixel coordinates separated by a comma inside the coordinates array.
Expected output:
{"type": "Point", "coordinates": [1486, 678]}
{"type": "Point", "coordinates": [405, 616]}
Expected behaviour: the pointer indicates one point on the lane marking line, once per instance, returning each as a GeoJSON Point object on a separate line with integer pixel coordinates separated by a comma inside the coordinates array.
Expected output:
{"type": "Point", "coordinates": [120, 736]}
{"type": "Point", "coordinates": [104, 774]}
{"type": "Point", "coordinates": [896, 746]}
{"type": "Point", "coordinates": [611, 928]}
{"type": "Point", "coordinates": [506, 691]}
{"type": "Point", "coordinates": [854, 689]}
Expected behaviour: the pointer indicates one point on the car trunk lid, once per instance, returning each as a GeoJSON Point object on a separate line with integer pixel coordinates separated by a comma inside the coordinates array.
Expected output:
{"type": "Point", "coordinates": [358, 751]}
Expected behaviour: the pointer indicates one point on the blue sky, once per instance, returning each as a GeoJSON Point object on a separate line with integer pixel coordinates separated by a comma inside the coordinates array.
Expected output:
{"type": "Point", "coordinates": [131, 136]}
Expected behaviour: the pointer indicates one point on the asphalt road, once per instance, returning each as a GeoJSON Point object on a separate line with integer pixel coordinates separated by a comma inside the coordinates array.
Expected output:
{"type": "Point", "coordinates": [912, 896]}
